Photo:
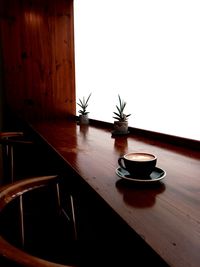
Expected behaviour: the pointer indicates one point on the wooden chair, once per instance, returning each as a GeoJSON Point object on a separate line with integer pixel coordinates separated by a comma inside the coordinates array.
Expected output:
{"type": "Point", "coordinates": [8, 140]}
{"type": "Point", "coordinates": [14, 191]}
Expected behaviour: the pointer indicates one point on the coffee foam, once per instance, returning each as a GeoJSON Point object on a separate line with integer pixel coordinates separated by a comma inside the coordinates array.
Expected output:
{"type": "Point", "coordinates": [139, 157]}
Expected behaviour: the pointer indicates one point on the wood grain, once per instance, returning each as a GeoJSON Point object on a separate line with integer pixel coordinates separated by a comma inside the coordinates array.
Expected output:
{"type": "Point", "coordinates": [38, 57]}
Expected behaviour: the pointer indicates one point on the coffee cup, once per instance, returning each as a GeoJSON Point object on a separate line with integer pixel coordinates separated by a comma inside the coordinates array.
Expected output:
{"type": "Point", "coordinates": [138, 163]}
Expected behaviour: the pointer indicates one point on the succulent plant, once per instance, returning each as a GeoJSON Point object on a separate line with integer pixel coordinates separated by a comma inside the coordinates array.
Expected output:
{"type": "Point", "coordinates": [120, 115]}
{"type": "Point", "coordinates": [83, 104]}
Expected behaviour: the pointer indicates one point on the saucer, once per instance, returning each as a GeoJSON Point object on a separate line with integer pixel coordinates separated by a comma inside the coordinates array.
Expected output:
{"type": "Point", "coordinates": [117, 133]}
{"type": "Point", "coordinates": [156, 175]}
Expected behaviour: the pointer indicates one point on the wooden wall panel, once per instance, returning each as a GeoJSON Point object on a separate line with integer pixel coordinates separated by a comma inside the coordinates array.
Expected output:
{"type": "Point", "coordinates": [38, 57]}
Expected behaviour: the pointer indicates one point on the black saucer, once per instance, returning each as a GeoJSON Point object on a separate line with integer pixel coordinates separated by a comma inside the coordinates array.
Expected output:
{"type": "Point", "coordinates": [117, 133]}
{"type": "Point", "coordinates": [156, 175]}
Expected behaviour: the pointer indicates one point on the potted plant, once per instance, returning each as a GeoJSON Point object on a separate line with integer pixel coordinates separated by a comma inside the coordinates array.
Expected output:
{"type": "Point", "coordinates": [83, 104]}
{"type": "Point", "coordinates": [121, 119]}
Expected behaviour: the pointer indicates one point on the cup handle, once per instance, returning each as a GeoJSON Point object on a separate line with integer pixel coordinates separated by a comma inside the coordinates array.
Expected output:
{"type": "Point", "coordinates": [121, 163]}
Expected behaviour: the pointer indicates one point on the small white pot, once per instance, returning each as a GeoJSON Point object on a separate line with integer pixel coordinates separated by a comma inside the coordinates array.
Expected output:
{"type": "Point", "coordinates": [83, 119]}
{"type": "Point", "coordinates": [121, 127]}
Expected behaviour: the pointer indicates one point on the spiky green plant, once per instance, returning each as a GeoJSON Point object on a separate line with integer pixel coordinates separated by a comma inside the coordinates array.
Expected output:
{"type": "Point", "coordinates": [120, 115]}
{"type": "Point", "coordinates": [83, 104]}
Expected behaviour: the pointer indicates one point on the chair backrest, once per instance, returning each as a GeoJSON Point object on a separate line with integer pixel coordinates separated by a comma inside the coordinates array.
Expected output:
{"type": "Point", "coordinates": [9, 193]}
{"type": "Point", "coordinates": [8, 140]}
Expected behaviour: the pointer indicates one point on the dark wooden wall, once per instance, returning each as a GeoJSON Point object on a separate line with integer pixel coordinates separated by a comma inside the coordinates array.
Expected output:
{"type": "Point", "coordinates": [1, 92]}
{"type": "Point", "coordinates": [37, 44]}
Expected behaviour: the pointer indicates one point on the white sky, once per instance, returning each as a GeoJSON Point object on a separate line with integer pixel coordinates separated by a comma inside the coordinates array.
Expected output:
{"type": "Point", "coordinates": [146, 51]}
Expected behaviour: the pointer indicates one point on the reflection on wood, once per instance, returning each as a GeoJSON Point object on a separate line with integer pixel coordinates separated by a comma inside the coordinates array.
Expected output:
{"type": "Point", "coordinates": [162, 214]}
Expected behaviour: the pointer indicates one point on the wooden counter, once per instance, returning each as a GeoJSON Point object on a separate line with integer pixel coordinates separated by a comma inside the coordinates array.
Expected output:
{"type": "Point", "coordinates": [165, 215]}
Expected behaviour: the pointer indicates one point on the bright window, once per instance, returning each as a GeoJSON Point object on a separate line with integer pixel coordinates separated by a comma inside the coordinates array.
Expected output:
{"type": "Point", "coordinates": [147, 51]}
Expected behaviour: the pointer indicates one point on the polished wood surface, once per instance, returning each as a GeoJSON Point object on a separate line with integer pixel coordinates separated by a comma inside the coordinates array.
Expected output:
{"type": "Point", "coordinates": [166, 215]}
{"type": "Point", "coordinates": [37, 47]}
